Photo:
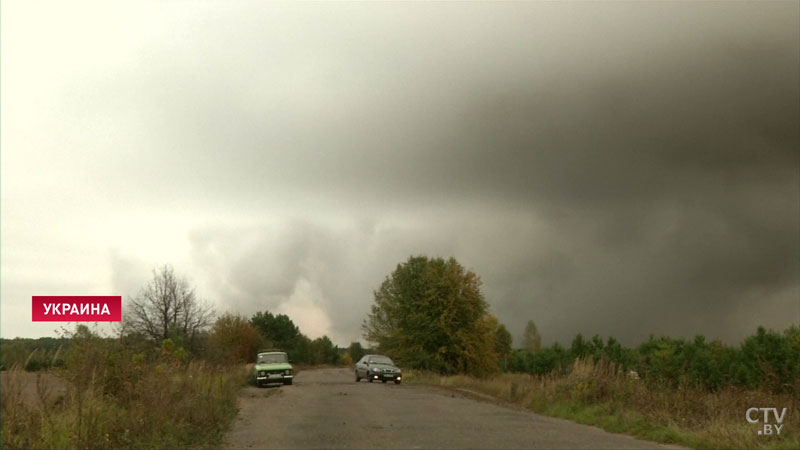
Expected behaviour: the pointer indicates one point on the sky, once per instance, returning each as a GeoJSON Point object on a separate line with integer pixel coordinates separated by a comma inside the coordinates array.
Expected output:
{"type": "Point", "coordinates": [624, 169]}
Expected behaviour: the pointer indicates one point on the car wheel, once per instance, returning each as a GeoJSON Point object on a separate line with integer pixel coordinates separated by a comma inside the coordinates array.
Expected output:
{"type": "Point", "coordinates": [358, 378]}
{"type": "Point", "coordinates": [396, 381]}
{"type": "Point", "coordinates": [369, 378]}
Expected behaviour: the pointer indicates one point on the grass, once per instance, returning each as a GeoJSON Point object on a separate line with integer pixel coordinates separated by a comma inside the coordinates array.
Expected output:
{"type": "Point", "coordinates": [154, 405]}
{"type": "Point", "coordinates": [601, 395]}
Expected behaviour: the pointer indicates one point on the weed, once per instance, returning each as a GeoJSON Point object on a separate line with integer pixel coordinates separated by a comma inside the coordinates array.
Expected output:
{"type": "Point", "coordinates": [600, 393]}
{"type": "Point", "coordinates": [115, 400]}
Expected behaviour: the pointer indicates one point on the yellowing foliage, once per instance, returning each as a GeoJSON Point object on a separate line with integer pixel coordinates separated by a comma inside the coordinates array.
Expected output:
{"type": "Point", "coordinates": [430, 314]}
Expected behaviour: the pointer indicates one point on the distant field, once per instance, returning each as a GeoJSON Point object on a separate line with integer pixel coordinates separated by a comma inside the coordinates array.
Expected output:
{"type": "Point", "coordinates": [29, 387]}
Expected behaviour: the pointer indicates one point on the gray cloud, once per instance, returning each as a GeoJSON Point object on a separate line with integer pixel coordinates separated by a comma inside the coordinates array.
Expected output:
{"type": "Point", "coordinates": [620, 169]}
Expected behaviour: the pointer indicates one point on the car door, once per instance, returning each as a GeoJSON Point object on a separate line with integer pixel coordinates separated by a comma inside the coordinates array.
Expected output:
{"type": "Point", "coordinates": [367, 360]}
{"type": "Point", "coordinates": [360, 367]}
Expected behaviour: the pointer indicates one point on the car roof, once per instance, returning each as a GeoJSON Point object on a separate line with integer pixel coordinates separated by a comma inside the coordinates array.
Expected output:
{"type": "Point", "coordinates": [271, 353]}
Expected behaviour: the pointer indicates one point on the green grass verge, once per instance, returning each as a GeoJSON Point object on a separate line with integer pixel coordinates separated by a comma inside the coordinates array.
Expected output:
{"type": "Point", "coordinates": [600, 397]}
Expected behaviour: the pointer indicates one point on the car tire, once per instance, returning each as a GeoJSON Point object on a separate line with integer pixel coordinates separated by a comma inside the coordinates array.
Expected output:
{"type": "Point", "coordinates": [383, 381]}
{"type": "Point", "coordinates": [396, 381]}
{"type": "Point", "coordinates": [358, 378]}
{"type": "Point", "coordinates": [369, 378]}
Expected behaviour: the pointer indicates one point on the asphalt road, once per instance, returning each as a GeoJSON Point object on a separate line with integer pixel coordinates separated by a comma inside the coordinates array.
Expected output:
{"type": "Point", "coordinates": [326, 408]}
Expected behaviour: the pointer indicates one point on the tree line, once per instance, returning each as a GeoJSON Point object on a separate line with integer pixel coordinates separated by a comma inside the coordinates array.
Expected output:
{"type": "Point", "coordinates": [168, 316]}
{"type": "Point", "coordinates": [32, 354]}
{"type": "Point", "coordinates": [768, 359]}
{"type": "Point", "coordinates": [430, 314]}
{"type": "Point", "coordinates": [167, 309]}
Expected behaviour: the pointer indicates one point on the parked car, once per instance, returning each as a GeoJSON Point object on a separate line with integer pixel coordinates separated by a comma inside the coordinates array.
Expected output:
{"type": "Point", "coordinates": [378, 367]}
{"type": "Point", "coordinates": [272, 367]}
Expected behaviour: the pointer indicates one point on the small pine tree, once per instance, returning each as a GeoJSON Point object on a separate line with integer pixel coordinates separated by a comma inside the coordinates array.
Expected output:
{"type": "Point", "coordinates": [531, 340]}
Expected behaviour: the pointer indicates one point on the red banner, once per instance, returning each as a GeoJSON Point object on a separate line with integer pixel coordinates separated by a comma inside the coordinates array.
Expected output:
{"type": "Point", "coordinates": [85, 308]}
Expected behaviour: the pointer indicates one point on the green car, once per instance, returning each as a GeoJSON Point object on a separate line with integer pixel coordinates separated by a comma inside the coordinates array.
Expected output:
{"type": "Point", "coordinates": [272, 367]}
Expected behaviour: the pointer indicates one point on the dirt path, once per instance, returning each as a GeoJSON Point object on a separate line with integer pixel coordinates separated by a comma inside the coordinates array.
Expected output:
{"type": "Point", "coordinates": [325, 408]}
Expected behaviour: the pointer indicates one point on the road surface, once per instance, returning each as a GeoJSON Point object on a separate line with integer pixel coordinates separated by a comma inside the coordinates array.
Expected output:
{"type": "Point", "coordinates": [326, 408]}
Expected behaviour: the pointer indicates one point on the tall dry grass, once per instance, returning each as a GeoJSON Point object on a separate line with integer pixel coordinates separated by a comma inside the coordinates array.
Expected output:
{"type": "Point", "coordinates": [601, 394]}
{"type": "Point", "coordinates": [153, 405]}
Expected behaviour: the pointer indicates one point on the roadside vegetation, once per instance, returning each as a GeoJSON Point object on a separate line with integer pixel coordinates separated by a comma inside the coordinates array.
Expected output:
{"type": "Point", "coordinates": [430, 316]}
{"type": "Point", "coordinates": [602, 394]}
{"type": "Point", "coordinates": [121, 396]}
{"type": "Point", "coordinates": [168, 379]}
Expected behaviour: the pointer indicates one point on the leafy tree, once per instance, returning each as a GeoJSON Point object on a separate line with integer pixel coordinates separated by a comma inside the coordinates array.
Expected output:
{"type": "Point", "coordinates": [771, 359]}
{"type": "Point", "coordinates": [323, 351]}
{"type": "Point", "coordinates": [356, 351]}
{"type": "Point", "coordinates": [278, 330]}
{"type": "Point", "coordinates": [502, 343]}
{"type": "Point", "coordinates": [431, 314]}
{"type": "Point", "coordinates": [531, 340]}
{"type": "Point", "coordinates": [167, 307]}
{"type": "Point", "coordinates": [233, 339]}
{"type": "Point", "coordinates": [546, 360]}
{"type": "Point", "coordinates": [300, 351]}
{"type": "Point", "coordinates": [579, 347]}
{"type": "Point", "coordinates": [615, 352]}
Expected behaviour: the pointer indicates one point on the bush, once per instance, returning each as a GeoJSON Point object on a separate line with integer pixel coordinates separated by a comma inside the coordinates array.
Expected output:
{"type": "Point", "coordinates": [34, 365]}
{"type": "Point", "coordinates": [600, 393]}
{"type": "Point", "coordinates": [110, 400]}
{"type": "Point", "coordinates": [767, 360]}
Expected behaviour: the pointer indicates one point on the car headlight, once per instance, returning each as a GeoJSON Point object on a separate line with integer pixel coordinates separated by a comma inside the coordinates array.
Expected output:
{"type": "Point", "coordinates": [376, 370]}
{"type": "Point", "coordinates": [287, 371]}
{"type": "Point", "coordinates": [262, 373]}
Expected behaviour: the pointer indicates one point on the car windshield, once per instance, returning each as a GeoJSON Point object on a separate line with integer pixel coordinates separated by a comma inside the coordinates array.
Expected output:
{"type": "Point", "coordinates": [380, 360]}
{"type": "Point", "coordinates": [271, 358]}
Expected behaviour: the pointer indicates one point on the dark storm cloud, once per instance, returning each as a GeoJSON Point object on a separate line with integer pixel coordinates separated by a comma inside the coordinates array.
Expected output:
{"type": "Point", "coordinates": [678, 179]}
{"type": "Point", "coordinates": [623, 169]}
{"type": "Point", "coordinates": [663, 178]}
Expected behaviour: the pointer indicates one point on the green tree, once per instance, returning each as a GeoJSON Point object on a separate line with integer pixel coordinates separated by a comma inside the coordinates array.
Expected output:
{"type": "Point", "coordinates": [531, 340]}
{"type": "Point", "coordinates": [300, 351]}
{"type": "Point", "coordinates": [356, 351]}
{"type": "Point", "coordinates": [431, 314]}
{"type": "Point", "coordinates": [503, 341]}
{"type": "Point", "coordinates": [278, 330]}
{"type": "Point", "coordinates": [579, 347]}
{"type": "Point", "coordinates": [323, 351]}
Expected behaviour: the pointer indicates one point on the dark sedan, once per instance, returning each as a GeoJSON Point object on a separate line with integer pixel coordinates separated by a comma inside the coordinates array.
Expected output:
{"type": "Point", "coordinates": [378, 367]}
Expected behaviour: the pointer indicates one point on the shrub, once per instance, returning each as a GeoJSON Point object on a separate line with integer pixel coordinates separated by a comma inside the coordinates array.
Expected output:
{"type": "Point", "coordinates": [110, 397]}
{"type": "Point", "coordinates": [767, 360]}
